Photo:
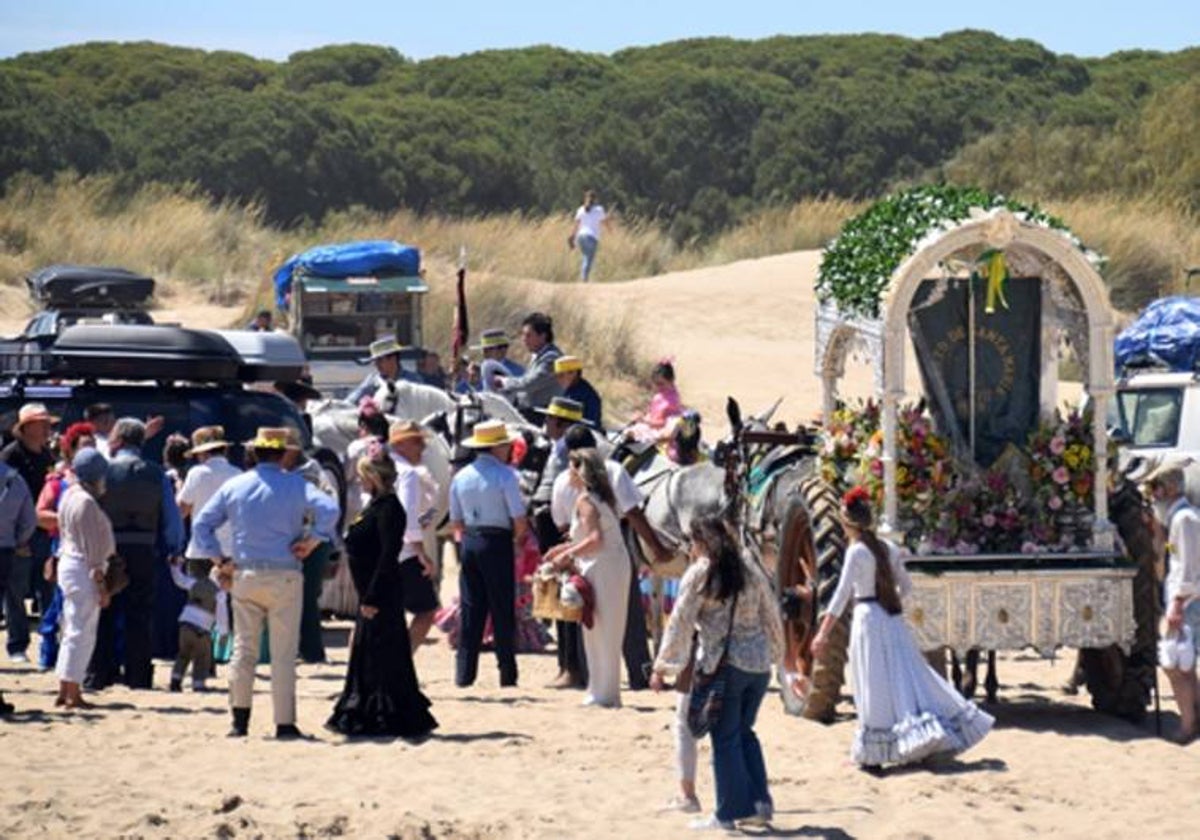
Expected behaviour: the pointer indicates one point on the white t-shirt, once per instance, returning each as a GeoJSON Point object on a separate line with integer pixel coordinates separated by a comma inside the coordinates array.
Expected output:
{"type": "Point", "coordinates": [200, 485]}
{"type": "Point", "coordinates": [562, 500]}
{"type": "Point", "coordinates": [589, 220]}
{"type": "Point", "coordinates": [417, 492]}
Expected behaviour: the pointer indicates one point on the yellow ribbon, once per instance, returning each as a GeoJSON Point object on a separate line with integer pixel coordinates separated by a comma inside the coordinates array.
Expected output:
{"type": "Point", "coordinates": [997, 272]}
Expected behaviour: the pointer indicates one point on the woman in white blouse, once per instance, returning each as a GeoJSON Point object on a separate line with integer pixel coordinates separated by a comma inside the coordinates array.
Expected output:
{"type": "Point", "coordinates": [85, 544]}
{"type": "Point", "coordinates": [727, 602]}
{"type": "Point", "coordinates": [906, 712]}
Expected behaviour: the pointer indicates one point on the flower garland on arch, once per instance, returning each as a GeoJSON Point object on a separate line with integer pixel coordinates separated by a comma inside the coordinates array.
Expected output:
{"type": "Point", "coordinates": [857, 265]}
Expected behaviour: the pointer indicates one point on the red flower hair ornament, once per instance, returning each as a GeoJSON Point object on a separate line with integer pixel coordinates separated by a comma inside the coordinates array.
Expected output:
{"type": "Point", "coordinates": [856, 495]}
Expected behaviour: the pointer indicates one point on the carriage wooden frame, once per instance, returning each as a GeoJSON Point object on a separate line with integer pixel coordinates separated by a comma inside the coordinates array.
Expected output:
{"type": "Point", "coordinates": [1082, 599]}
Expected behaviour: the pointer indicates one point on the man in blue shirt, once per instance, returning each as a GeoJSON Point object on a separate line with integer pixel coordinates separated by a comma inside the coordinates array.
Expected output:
{"type": "Point", "coordinates": [277, 519]}
{"type": "Point", "coordinates": [148, 528]}
{"type": "Point", "coordinates": [488, 518]}
{"type": "Point", "coordinates": [385, 355]}
{"type": "Point", "coordinates": [493, 346]}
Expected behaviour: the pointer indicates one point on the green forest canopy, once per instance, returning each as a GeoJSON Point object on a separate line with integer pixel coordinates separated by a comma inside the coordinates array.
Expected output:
{"type": "Point", "coordinates": [691, 134]}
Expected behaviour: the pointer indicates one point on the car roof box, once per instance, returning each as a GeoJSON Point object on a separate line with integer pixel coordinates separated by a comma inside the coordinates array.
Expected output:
{"type": "Point", "coordinates": [137, 352]}
{"type": "Point", "coordinates": [84, 285]}
{"type": "Point", "coordinates": [265, 356]}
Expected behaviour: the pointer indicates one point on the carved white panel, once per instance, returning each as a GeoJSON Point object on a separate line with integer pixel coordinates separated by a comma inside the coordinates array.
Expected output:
{"type": "Point", "coordinates": [1004, 618]}
{"type": "Point", "coordinates": [1045, 609]}
{"type": "Point", "coordinates": [928, 614]}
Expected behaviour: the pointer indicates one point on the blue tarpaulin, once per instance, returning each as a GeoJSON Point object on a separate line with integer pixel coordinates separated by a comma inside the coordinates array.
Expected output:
{"type": "Point", "coordinates": [368, 258]}
{"type": "Point", "coordinates": [1167, 333]}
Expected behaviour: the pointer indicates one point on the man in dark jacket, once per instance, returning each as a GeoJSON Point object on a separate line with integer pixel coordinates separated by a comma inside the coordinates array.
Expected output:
{"type": "Point", "coordinates": [537, 386]}
{"type": "Point", "coordinates": [149, 532]}
{"type": "Point", "coordinates": [29, 454]}
{"type": "Point", "coordinates": [569, 372]}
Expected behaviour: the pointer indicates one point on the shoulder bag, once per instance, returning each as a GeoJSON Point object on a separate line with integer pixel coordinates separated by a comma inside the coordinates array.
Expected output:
{"type": "Point", "coordinates": [708, 690]}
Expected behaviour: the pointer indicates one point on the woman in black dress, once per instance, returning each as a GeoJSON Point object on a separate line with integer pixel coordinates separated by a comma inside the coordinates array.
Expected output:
{"type": "Point", "coordinates": [381, 696]}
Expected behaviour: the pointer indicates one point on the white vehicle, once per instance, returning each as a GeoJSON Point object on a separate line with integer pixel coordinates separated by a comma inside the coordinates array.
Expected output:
{"type": "Point", "coordinates": [1156, 414]}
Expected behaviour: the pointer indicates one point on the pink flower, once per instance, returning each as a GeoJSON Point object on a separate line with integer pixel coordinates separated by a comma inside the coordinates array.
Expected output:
{"type": "Point", "coordinates": [989, 521]}
{"type": "Point", "coordinates": [1058, 444]}
{"type": "Point", "coordinates": [1061, 475]}
{"type": "Point", "coordinates": [1055, 502]}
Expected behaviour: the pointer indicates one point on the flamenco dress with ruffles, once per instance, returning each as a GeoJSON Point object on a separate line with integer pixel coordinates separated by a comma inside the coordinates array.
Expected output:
{"type": "Point", "coordinates": [906, 711]}
{"type": "Point", "coordinates": [381, 696]}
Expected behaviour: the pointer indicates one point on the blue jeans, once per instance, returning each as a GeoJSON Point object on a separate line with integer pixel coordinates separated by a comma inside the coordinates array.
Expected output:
{"type": "Point", "coordinates": [587, 246]}
{"type": "Point", "coordinates": [48, 653]}
{"type": "Point", "coordinates": [738, 766]}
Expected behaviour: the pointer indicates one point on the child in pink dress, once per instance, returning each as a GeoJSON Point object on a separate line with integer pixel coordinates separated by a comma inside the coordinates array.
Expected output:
{"type": "Point", "coordinates": [655, 425]}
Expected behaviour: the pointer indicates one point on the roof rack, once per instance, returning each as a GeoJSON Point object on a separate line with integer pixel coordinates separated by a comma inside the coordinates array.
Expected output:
{"type": "Point", "coordinates": [158, 352]}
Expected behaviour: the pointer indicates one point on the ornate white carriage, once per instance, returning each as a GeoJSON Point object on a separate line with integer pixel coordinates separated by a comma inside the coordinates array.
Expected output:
{"type": "Point", "coordinates": [1045, 597]}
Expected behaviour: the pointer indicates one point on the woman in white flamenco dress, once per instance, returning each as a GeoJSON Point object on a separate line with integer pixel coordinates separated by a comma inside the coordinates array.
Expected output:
{"type": "Point", "coordinates": [906, 711]}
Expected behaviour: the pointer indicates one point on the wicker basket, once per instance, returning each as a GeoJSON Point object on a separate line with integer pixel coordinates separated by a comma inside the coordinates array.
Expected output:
{"type": "Point", "coordinates": [546, 603]}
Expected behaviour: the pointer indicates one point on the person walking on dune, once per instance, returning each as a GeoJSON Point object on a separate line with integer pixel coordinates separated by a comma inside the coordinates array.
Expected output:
{"type": "Point", "coordinates": [590, 218]}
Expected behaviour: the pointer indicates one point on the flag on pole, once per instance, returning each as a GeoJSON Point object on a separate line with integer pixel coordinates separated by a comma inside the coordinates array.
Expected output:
{"type": "Point", "coordinates": [462, 331]}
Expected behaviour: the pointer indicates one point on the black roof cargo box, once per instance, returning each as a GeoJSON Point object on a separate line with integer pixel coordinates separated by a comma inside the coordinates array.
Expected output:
{"type": "Point", "coordinates": [89, 351]}
{"type": "Point", "coordinates": [60, 286]}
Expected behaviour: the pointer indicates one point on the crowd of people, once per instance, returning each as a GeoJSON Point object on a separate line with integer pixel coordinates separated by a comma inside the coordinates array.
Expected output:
{"type": "Point", "coordinates": [144, 561]}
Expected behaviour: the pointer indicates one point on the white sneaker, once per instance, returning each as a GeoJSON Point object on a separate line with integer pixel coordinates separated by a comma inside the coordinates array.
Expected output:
{"type": "Point", "coordinates": [18, 657]}
{"type": "Point", "coordinates": [711, 823]}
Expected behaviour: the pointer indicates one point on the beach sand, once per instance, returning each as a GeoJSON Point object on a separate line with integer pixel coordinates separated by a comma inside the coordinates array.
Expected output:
{"type": "Point", "coordinates": [531, 762]}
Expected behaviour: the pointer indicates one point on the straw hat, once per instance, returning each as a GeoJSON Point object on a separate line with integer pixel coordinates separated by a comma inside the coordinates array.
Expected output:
{"type": "Point", "coordinates": [32, 413]}
{"type": "Point", "coordinates": [564, 408]}
{"type": "Point", "coordinates": [1169, 471]}
{"type": "Point", "coordinates": [270, 437]}
{"type": "Point", "coordinates": [403, 430]}
{"type": "Point", "coordinates": [206, 439]}
{"type": "Point", "coordinates": [491, 338]}
{"type": "Point", "coordinates": [568, 364]}
{"type": "Point", "coordinates": [487, 434]}
{"type": "Point", "coordinates": [386, 346]}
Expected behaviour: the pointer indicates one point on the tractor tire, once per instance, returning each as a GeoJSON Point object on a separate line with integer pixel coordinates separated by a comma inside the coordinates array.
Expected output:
{"type": "Point", "coordinates": [1121, 684]}
{"type": "Point", "coordinates": [828, 672]}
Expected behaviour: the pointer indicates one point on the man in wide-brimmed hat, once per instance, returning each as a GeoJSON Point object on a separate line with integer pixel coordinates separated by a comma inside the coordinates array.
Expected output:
{"type": "Point", "coordinates": [29, 454]}
{"type": "Point", "coordinates": [569, 372]}
{"type": "Point", "coordinates": [277, 519]}
{"type": "Point", "coordinates": [488, 517]}
{"type": "Point", "coordinates": [493, 345]}
{"type": "Point", "coordinates": [537, 385]}
{"type": "Point", "coordinates": [418, 571]}
{"type": "Point", "coordinates": [385, 355]}
{"type": "Point", "coordinates": [1181, 589]}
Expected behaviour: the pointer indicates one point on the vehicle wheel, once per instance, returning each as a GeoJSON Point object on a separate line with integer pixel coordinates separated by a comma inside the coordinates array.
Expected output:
{"type": "Point", "coordinates": [829, 544]}
{"type": "Point", "coordinates": [1121, 684]}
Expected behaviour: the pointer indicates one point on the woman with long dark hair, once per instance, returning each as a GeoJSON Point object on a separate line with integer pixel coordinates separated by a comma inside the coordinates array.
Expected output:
{"type": "Point", "coordinates": [381, 695]}
{"type": "Point", "coordinates": [597, 550]}
{"type": "Point", "coordinates": [726, 602]}
{"type": "Point", "coordinates": [906, 712]}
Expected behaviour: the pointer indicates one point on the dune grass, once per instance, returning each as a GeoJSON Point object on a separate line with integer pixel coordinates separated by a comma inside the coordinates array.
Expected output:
{"type": "Point", "coordinates": [224, 253]}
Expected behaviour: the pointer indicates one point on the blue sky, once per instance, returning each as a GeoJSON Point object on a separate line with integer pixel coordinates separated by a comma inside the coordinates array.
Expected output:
{"type": "Point", "coordinates": [274, 29]}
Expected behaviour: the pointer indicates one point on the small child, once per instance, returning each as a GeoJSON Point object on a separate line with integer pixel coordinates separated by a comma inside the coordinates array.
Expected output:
{"type": "Point", "coordinates": [205, 608]}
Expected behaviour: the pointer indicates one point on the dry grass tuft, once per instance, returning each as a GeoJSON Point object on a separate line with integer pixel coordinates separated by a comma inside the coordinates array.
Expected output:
{"type": "Point", "coordinates": [1149, 245]}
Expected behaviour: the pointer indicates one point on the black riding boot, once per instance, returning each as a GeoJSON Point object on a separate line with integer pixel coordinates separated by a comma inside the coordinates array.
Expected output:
{"type": "Point", "coordinates": [241, 723]}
